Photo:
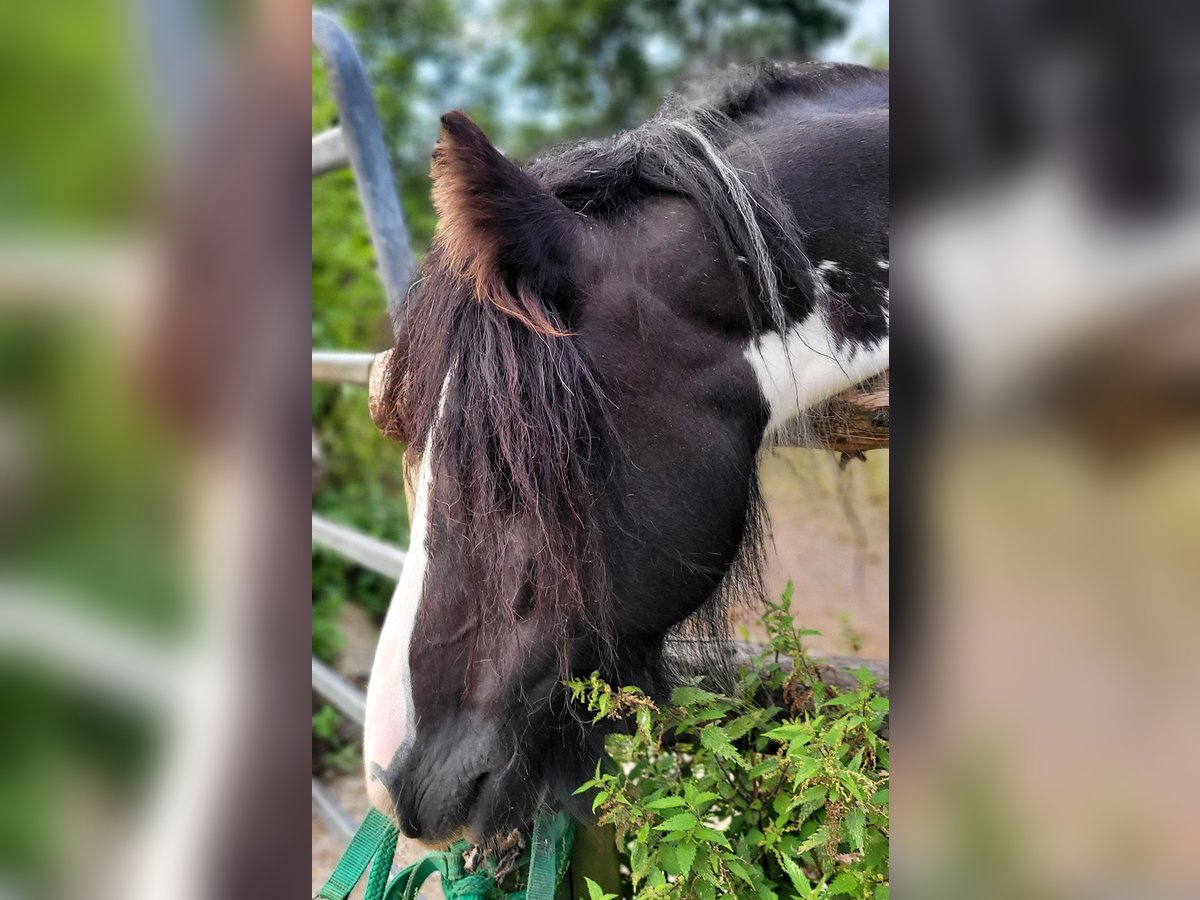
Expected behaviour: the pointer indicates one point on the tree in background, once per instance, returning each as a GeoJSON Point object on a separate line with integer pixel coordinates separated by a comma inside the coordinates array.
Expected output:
{"type": "Point", "coordinates": [533, 72]}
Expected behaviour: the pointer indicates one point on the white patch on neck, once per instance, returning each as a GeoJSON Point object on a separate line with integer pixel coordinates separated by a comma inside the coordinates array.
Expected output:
{"type": "Point", "coordinates": [803, 366]}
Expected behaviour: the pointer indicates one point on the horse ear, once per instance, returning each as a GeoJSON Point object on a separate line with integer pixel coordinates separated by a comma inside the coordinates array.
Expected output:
{"type": "Point", "coordinates": [500, 229]}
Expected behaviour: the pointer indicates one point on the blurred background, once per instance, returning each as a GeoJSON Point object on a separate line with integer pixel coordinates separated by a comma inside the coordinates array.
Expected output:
{"type": "Point", "coordinates": [1046, 398]}
{"type": "Point", "coordinates": [140, 285]}
{"type": "Point", "coordinates": [94, 597]}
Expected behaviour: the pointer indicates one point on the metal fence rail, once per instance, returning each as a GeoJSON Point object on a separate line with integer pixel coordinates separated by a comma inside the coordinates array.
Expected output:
{"type": "Point", "coordinates": [357, 142]}
{"type": "Point", "coordinates": [331, 812]}
{"type": "Point", "coordinates": [345, 366]}
{"type": "Point", "coordinates": [376, 555]}
{"type": "Point", "coordinates": [368, 159]}
{"type": "Point", "coordinates": [329, 152]}
{"type": "Point", "coordinates": [346, 698]}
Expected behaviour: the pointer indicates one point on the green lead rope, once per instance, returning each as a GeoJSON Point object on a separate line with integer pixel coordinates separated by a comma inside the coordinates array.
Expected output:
{"type": "Point", "coordinates": [375, 838]}
{"type": "Point", "coordinates": [549, 856]}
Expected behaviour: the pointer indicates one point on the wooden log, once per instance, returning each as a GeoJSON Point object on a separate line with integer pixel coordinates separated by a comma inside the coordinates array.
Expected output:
{"type": "Point", "coordinates": [853, 422]}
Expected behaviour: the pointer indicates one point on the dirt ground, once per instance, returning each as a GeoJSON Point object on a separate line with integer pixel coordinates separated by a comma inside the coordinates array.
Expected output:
{"type": "Point", "coordinates": [830, 538]}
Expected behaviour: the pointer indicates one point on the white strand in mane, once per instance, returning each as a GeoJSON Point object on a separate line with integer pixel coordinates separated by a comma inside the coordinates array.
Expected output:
{"type": "Point", "coordinates": [764, 265]}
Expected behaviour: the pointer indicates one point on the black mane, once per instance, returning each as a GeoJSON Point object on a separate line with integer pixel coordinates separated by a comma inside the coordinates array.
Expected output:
{"type": "Point", "coordinates": [607, 177]}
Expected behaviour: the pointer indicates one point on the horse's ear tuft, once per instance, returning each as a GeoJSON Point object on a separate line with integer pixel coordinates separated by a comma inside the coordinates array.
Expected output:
{"type": "Point", "coordinates": [500, 229]}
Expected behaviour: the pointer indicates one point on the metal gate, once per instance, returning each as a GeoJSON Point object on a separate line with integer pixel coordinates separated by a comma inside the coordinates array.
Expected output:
{"type": "Point", "coordinates": [357, 142]}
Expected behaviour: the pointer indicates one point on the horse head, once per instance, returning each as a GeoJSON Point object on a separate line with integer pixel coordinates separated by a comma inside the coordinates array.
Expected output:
{"type": "Point", "coordinates": [586, 372]}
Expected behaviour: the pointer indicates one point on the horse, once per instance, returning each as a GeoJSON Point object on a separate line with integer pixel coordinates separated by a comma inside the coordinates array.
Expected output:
{"type": "Point", "coordinates": [598, 345]}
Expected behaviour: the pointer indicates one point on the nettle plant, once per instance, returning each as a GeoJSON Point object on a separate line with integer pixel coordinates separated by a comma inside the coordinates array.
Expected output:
{"type": "Point", "coordinates": [777, 791]}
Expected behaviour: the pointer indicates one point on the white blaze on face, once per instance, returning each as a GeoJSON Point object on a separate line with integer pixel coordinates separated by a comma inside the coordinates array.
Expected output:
{"type": "Point", "coordinates": [391, 717]}
{"type": "Point", "coordinates": [804, 366]}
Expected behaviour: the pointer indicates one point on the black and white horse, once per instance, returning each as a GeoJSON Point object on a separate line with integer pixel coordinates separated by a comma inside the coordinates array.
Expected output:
{"type": "Point", "coordinates": [600, 343]}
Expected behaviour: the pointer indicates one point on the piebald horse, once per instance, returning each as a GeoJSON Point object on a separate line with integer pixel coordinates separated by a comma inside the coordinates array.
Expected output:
{"type": "Point", "coordinates": [598, 346]}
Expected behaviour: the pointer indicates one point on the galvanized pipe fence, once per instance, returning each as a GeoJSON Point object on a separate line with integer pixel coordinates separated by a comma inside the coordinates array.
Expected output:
{"type": "Point", "coordinates": [357, 142]}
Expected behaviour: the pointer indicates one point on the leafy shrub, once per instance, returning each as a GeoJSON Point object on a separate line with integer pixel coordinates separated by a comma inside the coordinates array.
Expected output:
{"type": "Point", "coordinates": [335, 745]}
{"type": "Point", "coordinates": [778, 790]}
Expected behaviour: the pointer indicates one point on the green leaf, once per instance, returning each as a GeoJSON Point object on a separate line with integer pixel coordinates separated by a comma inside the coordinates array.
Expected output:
{"type": "Point", "coordinates": [643, 720]}
{"type": "Point", "coordinates": [713, 836]}
{"type": "Point", "coordinates": [714, 738]}
{"type": "Point", "coordinates": [854, 822]}
{"type": "Point", "coordinates": [707, 715]}
{"type": "Point", "coordinates": [688, 695]}
{"type": "Point", "coordinates": [788, 733]}
{"type": "Point", "coordinates": [665, 803]}
{"type": "Point", "coordinates": [845, 883]}
{"type": "Point", "coordinates": [685, 855]}
{"type": "Point", "coordinates": [805, 767]}
{"type": "Point", "coordinates": [737, 868]}
{"type": "Point", "coordinates": [816, 839]}
{"type": "Point", "coordinates": [793, 872]}
{"type": "Point", "coordinates": [768, 766]}
{"type": "Point", "coordinates": [852, 786]}
{"type": "Point", "coordinates": [741, 726]}
{"type": "Point", "coordinates": [638, 861]}
{"type": "Point", "coordinates": [664, 858]}
{"type": "Point", "coordinates": [682, 822]}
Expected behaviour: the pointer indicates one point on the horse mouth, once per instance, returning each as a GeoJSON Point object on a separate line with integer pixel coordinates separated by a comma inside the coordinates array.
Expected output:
{"type": "Point", "coordinates": [475, 808]}
{"type": "Point", "coordinates": [490, 810]}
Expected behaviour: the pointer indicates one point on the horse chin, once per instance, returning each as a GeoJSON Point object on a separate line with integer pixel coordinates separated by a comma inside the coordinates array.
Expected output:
{"type": "Point", "coordinates": [502, 804]}
{"type": "Point", "coordinates": [440, 843]}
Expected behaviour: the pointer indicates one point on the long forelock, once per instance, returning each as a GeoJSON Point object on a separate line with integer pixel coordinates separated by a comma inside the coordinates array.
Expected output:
{"type": "Point", "coordinates": [525, 434]}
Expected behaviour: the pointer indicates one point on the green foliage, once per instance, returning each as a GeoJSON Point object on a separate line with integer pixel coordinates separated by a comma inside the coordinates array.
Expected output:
{"type": "Point", "coordinates": [604, 64]}
{"type": "Point", "coordinates": [776, 791]}
{"type": "Point", "coordinates": [331, 748]}
{"type": "Point", "coordinates": [74, 138]}
{"type": "Point", "coordinates": [532, 72]}
{"type": "Point", "coordinates": [595, 892]}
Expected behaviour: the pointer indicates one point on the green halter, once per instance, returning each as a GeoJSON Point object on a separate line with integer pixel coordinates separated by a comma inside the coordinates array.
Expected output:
{"type": "Point", "coordinates": [548, 856]}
